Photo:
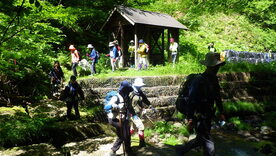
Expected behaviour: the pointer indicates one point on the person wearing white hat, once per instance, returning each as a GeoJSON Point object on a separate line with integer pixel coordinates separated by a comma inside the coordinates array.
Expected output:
{"type": "Point", "coordinates": [113, 54]}
{"type": "Point", "coordinates": [138, 101]}
{"type": "Point", "coordinates": [204, 92]}
{"type": "Point", "coordinates": [75, 58]}
{"type": "Point", "coordinates": [93, 57]}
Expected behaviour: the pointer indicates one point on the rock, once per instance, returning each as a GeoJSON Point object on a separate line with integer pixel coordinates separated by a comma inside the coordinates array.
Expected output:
{"type": "Point", "coordinates": [266, 130]}
{"type": "Point", "coordinates": [244, 133]}
{"type": "Point", "coordinates": [252, 138]}
{"type": "Point", "coordinates": [178, 125]}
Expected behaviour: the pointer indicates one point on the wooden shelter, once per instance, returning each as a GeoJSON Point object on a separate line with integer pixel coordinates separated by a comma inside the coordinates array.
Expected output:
{"type": "Point", "coordinates": [125, 24]}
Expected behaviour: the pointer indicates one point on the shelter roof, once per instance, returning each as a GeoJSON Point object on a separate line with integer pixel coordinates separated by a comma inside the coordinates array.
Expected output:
{"type": "Point", "coordinates": [136, 16]}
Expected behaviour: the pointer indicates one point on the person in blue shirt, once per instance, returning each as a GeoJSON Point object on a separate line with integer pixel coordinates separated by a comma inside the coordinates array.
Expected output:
{"type": "Point", "coordinates": [93, 57]}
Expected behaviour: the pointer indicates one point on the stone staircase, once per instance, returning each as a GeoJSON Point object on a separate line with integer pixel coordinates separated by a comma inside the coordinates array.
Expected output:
{"type": "Point", "coordinates": [162, 90]}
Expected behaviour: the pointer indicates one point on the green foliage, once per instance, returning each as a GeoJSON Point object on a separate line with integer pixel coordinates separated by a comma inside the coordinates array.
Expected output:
{"type": "Point", "coordinates": [172, 140]}
{"type": "Point", "coordinates": [240, 124]}
{"type": "Point", "coordinates": [163, 128]}
{"type": "Point", "coordinates": [240, 106]}
{"type": "Point", "coordinates": [21, 129]}
{"type": "Point", "coordinates": [269, 119]}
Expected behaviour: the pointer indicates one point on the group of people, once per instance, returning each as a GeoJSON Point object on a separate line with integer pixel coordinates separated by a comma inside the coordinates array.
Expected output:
{"type": "Point", "coordinates": [143, 53]}
{"type": "Point", "coordinates": [204, 98]}
{"type": "Point", "coordinates": [130, 100]}
{"type": "Point", "coordinates": [124, 108]}
{"type": "Point", "coordinates": [93, 57]}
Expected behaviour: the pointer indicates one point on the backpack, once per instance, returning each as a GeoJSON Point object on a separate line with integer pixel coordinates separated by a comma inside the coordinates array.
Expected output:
{"type": "Point", "coordinates": [147, 48]}
{"type": "Point", "coordinates": [98, 55]}
{"type": "Point", "coordinates": [183, 94]}
{"type": "Point", "coordinates": [80, 57]}
{"type": "Point", "coordinates": [109, 95]}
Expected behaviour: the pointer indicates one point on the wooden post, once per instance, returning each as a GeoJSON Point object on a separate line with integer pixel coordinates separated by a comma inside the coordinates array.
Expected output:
{"type": "Point", "coordinates": [163, 47]}
{"type": "Point", "coordinates": [168, 46]}
{"type": "Point", "coordinates": [122, 59]}
{"type": "Point", "coordinates": [136, 45]}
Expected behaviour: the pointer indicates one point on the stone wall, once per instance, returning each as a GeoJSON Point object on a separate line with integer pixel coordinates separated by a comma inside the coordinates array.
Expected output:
{"type": "Point", "coordinates": [162, 90]}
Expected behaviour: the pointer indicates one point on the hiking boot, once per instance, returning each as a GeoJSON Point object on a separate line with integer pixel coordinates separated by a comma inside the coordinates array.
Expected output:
{"type": "Point", "coordinates": [178, 150]}
{"type": "Point", "coordinates": [129, 152]}
{"type": "Point", "coordinates": [142, 143]}
{"type": "Point", "coordinates": [112, 153]}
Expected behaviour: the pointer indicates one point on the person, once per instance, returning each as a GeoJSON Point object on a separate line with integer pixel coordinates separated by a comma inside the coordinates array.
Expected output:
{"type": "Point", "coordinates": [203, 93]}
{"type": "Point", "coordinates": [138, 102]}
{"type": "Point", "coordinates": [56, 74]}
{"type": "Point", "coordinates": [211, 47]}
{"type": "Point", "coordinates": [73, 94]}
{"type": "Point", "coordinates": [75, 58]}
{"type": "Point", "coordinates": [93, 57]}
{"type": "Point", "coordinates": [131, 50]}
{"type": "Point", "coordinates": [173, 49]}
{"type": "Point", "coordinates": [143, 54]}
{"type": "Point", "coordinates": [113, 54]}
{"type": "Point", "coordinates": [119, 118]}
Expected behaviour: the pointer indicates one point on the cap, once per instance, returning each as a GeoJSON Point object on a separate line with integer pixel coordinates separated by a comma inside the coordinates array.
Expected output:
{"type": "Point", "coordinates": [141, 41]}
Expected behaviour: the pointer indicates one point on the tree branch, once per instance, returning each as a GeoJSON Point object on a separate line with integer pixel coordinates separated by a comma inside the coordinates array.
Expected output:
{"type": "Point", "coordinates": [10, 23]}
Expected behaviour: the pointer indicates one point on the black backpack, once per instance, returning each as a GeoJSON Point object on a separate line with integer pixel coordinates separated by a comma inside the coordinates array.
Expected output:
{"type": "Point", "coordinates": [183, 94]}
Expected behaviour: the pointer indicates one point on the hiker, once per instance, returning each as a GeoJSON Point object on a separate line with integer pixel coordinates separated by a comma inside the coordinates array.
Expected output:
{"type": "Point", "coordinates": [173, 49]}
{"type": "Point", "coordinates": [113, 54]}
{"type": "Point", "coordinates": [138, 101]}
{"type": "Point", "coordinates": [143, 54]}
{"type": "Point", "coordinates": [204, 91]}
{"type": "Point", "coordinates": [211, 47]}
{"type": "Point", "coordinates": [56, 74]}
{"type": "Point", "coordinates": [93, 57]}
{"type": "Point", "coordinates": [119, 49]}
{"type": "Point", "coordinates": [73, 94]}
{"type": "Point", "coordinates": [119, 118]}
{"type": "Point", "coordinates": [131, 50]}
{"type": "Point", "coordinates": [75, 58]}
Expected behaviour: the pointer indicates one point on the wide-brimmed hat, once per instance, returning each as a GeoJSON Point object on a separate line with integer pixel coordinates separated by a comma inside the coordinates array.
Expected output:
{"type": "Point", "coordinates": [111, 44]}
{"type": "Point", "coordinates": [71, 47]}
{"type": "Point", "coordinates": [90, 46]}
{"type": "Point", "coordinates": [138, 82]}
{"type": "Point", "coordinates": [212, 59]}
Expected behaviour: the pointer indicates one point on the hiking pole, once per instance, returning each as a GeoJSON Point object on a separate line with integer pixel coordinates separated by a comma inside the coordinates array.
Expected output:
{"type": "Point", "coordinates": [121, 129]}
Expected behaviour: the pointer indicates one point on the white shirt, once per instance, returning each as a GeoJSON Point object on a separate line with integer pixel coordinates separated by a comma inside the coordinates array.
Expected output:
{"type": "Point", "coordinates": [173, 47]}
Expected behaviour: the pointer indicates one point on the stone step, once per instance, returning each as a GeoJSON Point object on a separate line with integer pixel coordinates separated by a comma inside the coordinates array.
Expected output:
{"type": "Point", "coordinates": [149, 91]}
{"type": "Point", "coordinates": [151, 81]}
{"type": "Point", "coordinates": [114, 82]}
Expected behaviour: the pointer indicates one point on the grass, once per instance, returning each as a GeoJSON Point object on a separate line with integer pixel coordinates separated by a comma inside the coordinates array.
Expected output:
{"type": "Point", "coordinates": [240, 124]}
{"type": "Point", "coordinates": [241, 106]}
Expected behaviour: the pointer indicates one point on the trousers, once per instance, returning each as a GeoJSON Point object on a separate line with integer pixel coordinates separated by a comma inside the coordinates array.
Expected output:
{"type": "Point", "coordinates": [203, 138]}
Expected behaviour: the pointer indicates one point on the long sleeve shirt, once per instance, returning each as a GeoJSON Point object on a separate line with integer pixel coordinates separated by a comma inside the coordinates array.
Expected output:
{"type": "Point", "coordinates": [173, 47]}
{"type": "Point", "coordinates": [204, 91]}
{"type": "Point", "coordinates": [93, 55]}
